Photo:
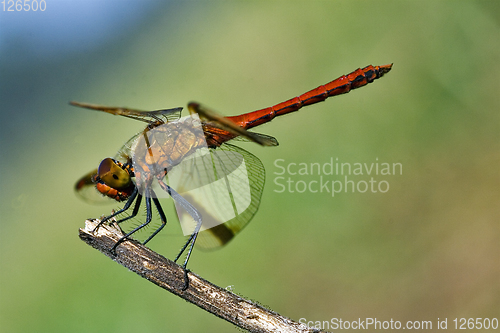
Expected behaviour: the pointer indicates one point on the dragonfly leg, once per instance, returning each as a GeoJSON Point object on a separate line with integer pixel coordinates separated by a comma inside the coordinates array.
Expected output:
{"type": "Point", "coordinates": [162, 217]}
{"type": "Point", "coordinates": [149, 216]}
{"type": "Point", "coordinates": [125, 207]}
{"type": "Point", "coordinates": [134, 212]}
{"type": "Point", "coordinates": [192, 239]}
{"type": "Point", "coordinates": [191, 211]}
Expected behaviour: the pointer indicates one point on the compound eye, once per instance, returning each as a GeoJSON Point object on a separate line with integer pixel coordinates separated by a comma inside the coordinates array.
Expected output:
{"type": "Point", "coordinates": [113, 175]}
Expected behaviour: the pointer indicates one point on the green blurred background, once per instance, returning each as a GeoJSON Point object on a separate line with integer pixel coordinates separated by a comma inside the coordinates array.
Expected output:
{"type": "Point", "coordinates": [427, 248]}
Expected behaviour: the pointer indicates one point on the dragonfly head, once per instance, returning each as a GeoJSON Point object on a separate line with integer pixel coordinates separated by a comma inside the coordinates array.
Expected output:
{"type": "Point", "coordinates": [113, 175]}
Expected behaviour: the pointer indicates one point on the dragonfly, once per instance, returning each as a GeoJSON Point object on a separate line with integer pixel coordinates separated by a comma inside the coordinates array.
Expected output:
{"type": "Point", "coordinates": [216, 186]}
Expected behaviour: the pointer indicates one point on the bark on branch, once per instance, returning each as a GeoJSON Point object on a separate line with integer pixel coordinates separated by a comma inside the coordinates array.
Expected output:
{"type": "Point", "coordinates": [170, 276]}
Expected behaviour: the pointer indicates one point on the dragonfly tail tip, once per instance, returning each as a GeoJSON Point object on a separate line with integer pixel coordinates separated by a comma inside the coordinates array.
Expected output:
{"type": "Point", "coordinates": [384, 69]}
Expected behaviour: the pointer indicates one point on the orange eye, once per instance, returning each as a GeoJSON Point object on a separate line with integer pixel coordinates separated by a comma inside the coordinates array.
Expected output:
{"type": "Point", "coordinates": [113, 175]}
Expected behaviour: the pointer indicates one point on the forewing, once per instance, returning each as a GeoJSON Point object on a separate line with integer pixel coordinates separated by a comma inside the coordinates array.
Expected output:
{"type": "Point", "coordinates": [124, 154]}
{"type": "Point", "coordinates": [165, 115]}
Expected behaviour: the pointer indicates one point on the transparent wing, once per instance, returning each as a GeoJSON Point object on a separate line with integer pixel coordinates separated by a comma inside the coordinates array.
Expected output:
{"type": "Point", "coordinates": [263, 136]}
{"type": "Point", "coordinates": [150, 117]}
{"type": "Point", "coordinates": [124, 154]}
{"type": "Point", "coordinates": [225, 186]}
{"type": "Point", "coordinates": [215, 120]}
{"type": "Point", "coordinates": [165, 115]}
{"type": "Point", "coordinates": [223, 233]}
{"type": "Point", "coordinates": [85, 189]}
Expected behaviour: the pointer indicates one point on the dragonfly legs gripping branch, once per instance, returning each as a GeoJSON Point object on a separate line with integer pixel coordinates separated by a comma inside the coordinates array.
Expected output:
{"type": "Point", "coordinates": [137, 197]}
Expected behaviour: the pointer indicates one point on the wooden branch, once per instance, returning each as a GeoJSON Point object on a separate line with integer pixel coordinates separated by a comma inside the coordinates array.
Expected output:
{"type": "Point", "coordinates": [172, 277]}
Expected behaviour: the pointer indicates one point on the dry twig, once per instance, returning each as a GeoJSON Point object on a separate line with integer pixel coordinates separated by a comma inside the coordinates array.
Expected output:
{"type": "Point", "coordinates": [170, 276]}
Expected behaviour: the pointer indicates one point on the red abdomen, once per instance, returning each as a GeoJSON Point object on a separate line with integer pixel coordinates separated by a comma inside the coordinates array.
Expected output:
{"type": "Point", "coordinates": [342, 85]}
